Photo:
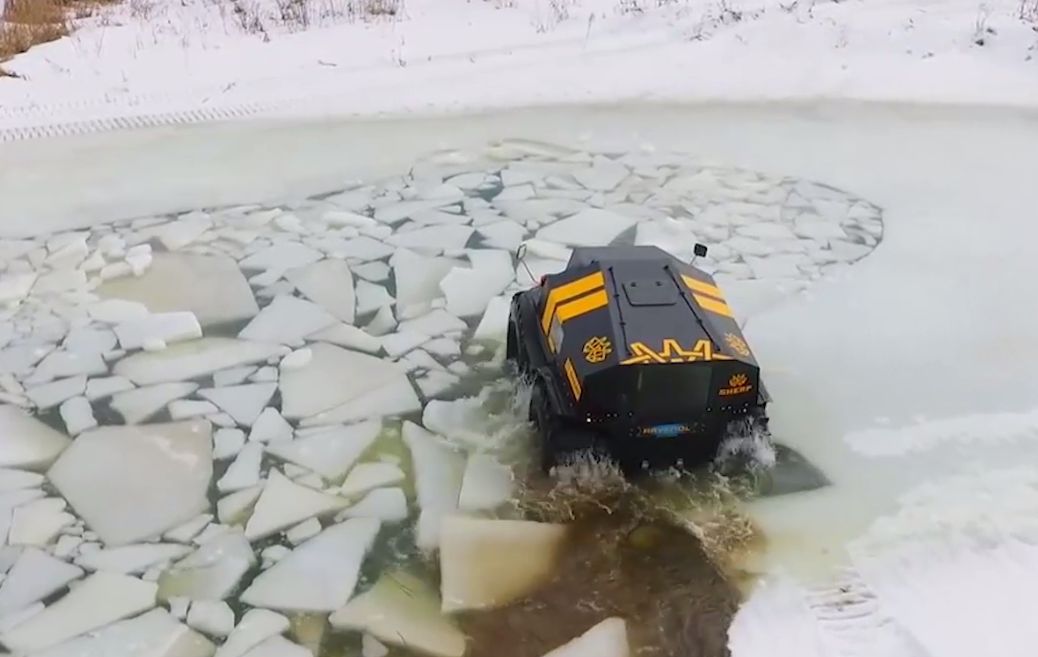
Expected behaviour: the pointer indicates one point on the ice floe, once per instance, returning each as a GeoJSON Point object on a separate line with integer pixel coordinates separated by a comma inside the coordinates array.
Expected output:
{"type": "Point", "coordinates": [330, 452]}
{"type": "Point", "coordinates": [25, 442]}
{"type": "Point", "coordinates": [270, 427]}
{"type": "Point", "coordinates": [211, 617]}
{"type": "Point", "coordinates": [187, 360]}
{"type": "Point", "coordinates": [244, 471]}
{"type": "Point", "coordinates": [486, 484]}
{"type": "Point", "coordinates": [212, 571]}
{"type": "Point", "coordinates": [438, 471]}
{"type": "Point", "coordinates": [140, 404]}
{"type": "Point", "coordinates": [166, 472]}
{"type": "Point", "coordinates": [329, 284]}
{"type": "Point", "coordinates": [209, 286]}
{"type": "Point", "coordinates": [334, 376]}
{"type": "Point", "coordinates": [155, 634]}
{"type": "Point", "coordinates": [287, 320]}
{"type": "Point", "coordinates": [320, 574]}
{"type": "Point", "coordinates": [38, 522]}
{"type": "Point", "coordinates": [243, 402]}
{"type": "Point", "coordinates": [488, 563]}
{"type": "Point", "coordinates": [255, 627]}
{"type": "Point", "coordinates": [366, 476]}
{"type": "Point", "coordinates": [401, 610]}
{"type": "Point", "coordinates": [34, 576]}
{"type": "Point", "coordinates": [100, 599]}
{"type": "Point", "coordinates": [132, 559]}
{"type": "Point", "coordinates": [235, 508]}
{"type": "Point", "coordinates": [19, 479]}
{"type": "Point", "coordinates": [285, 503]}
{"type": "Point", "coordinates": [386, 504]}
{"type": "Point", "coordinates": [347, 336]}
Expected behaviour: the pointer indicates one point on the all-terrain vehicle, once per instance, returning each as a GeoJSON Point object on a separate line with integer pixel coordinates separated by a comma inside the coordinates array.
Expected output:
{"type": "Point", "coordinates": [636, 355]}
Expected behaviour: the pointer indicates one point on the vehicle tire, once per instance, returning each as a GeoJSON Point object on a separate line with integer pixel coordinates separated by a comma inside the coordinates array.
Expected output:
{"type": "Point", "coordinates": [511, 342]}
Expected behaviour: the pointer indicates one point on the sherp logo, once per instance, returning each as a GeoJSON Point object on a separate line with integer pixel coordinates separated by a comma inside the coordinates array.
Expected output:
{"type": "Point", "coordinates": [737, 384]}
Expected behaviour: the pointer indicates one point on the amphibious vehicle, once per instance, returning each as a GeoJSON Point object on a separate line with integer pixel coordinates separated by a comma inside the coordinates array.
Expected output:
{"type": "Point", "coordinates": [636, 355]}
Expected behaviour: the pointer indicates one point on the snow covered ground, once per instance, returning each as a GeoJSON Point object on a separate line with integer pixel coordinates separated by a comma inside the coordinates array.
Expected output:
{"type": "Point", "coordinates": [188, 60]}
{"type": "Point", "coordinates": [901, 355]}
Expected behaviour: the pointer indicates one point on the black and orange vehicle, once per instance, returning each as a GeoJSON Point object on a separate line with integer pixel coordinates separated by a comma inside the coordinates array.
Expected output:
{"type": "Point", "coordinates": [636, 355]}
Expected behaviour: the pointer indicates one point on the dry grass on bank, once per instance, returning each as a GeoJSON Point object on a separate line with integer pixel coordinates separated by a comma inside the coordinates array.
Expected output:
{"type": "Point", "coordinates": [27, 23]}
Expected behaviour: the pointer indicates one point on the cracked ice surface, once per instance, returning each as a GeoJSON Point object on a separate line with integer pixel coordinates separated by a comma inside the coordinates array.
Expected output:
{"type": "Point", "coordinates": [297, 399]}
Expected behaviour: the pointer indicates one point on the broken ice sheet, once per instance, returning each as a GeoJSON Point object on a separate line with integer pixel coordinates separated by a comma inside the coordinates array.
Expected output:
{"type": "Point", "coordinates": [211, 572]}
{"type": "Point", "coordinates": [320, 574]}
{"type": "Point", "coordinates": [287, 320]}
{"type": "Point", "coordinates": [418, 277]}
{"type": "Point", "coordinates": [38, 522]}
{"type": "Point", "coordinates": [395, 399]}
{"type": "Point", "coordinates": [285, 503]}
{"type": "Point", "coordinates": [34, 576]}
{"type": "Point", "coordinates": [153, 634]}
{"type": "Point", "coordinates": [168, 327]}
{"type": "Point", "coordinates": [211, 287]}
{"type": "Point", "coordinates": [385, 504]}
{"type": "Point", "coordinates": [244, 472]}
{"type": "Point", "coordinates": [348, 336]}
{"type": "Point", "coordinates": [243, 402]}
{"type": "Point", "coordinates": [591, 227]}
{"type": "Point", "coordinates": [488, 563]}
{"type": "Point", "coordinates": [334, 376]}
{"type": "Point", "coordinates": [256, 626]}
{"type": "Point", "coordinates": [331, 452]}
{"type": "Point", "coordinates": [468, 291]}
{"type": "Point", "coordinates": [140, 404]}
{"type": "Point", "coordinates": [100, 599]}
{"type": "Point", "coordinates": [187, 360]}
{"type": "Point", "coordinates": [131, 559]}
{"type": "Point", "coordinates": [401, 610]}
{"type": "Point", "coordinates": [166, 472]}
{"type": "Point", "coordinates": [486, 485]}
{"type": "Point", "coordinates": [366, 476]}
{"type": "Point", "coordinates": [211, 617]}
{"type": "Point", "coordinates": [329, 284]}
{"type": "Point", "coordinates": [438, 475]}
{"type": "Point", "coordinates": [25, 442]}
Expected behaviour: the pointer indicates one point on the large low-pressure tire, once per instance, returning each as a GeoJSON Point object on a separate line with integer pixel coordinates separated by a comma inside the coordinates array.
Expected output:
{"type": "Point", "coordinates": [559, 443]}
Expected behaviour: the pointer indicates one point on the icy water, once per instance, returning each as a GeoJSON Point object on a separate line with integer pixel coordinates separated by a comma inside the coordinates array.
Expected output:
{"type": "Point", "coordinates": [323, 381]}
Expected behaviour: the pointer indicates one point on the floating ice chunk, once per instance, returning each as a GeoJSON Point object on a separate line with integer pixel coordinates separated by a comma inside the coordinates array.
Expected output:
{"type": "Point", "coordinates": [775, 266]}
{"type": "Point", "coordinates": [517, 193]}
{"type": "Point", "coordinates": [59, 281]}
{"type": "Point", "coordinates": [233, 509]}
{"type": "Point", "coordinates": [375, 272]}
{"type": "Point", "coordinates": [244, 472]}
{"type": "Point", "coordinates": [106, 386]}
{"type": "Point", "coordinates": [9, 502]}
{"type": "Point", "coordinates": [329, 453]}
{"type": "Point", "coordinates": [303, 531]}
{"type": "Point", "coordinates": [38, 522]}
{"type": "Point", "coordinates": [99, 600]}
{"type": "Point", "coordinates": [265, 375]}
{"type": "Point", "coordinates": [227, 443]}
{"type": "Point", "coordinates": [60, 364]}
{"type": "Point", "coordinates": [211, 572]}
{"type": "Point", "coordinates": [468, 291]}
{"type": "Point", "coordinates": [154, 634]}
{"type": "Point", "coordinates": [77, 415]}
{"type": "Point", "coordinates": [345, 218]}
{"type": "Point", "coordinates": [89, 341]}
{"type": "Point", "coordinates": [438, 217]}
{"type": "Point", "coordinates": [371, 297]}
{"type": "Point", "coordinates": [34, 576]}
{"type": "Point", "coordinates": [397, 212]}
{"type": "Point", "coordinates": [606, 639]}
{"type": "Point", "coordinates": [591, 227]}
{"type": "Point", "coordinates": [348, 336]}
{"type": "Point", "coordinates": [178, 607]}
{"type": "Point", "coordinates": [273, 554]}
{"type": "Point", "coordinates": [398, 344]}
{"type": "Point", "coordinates": [283, 256]}
{"type": "Point", "coordinates": [486, 485]}
{"type": "Point", "coordinates": [188, 360]}
{"type": "Point", "coordinates": [401, 610]}
{"type": "Point", "coordinates": [372, 647]}
{"type": "Point", "coordinates": [168, 327]}
{"type": "Point", "coordinates": [256, 626]}
{"type": "Point", "coordinates": [18, 479]}
{"type": "Point", "coordinates": [183, 533]}
{"type": "Point", "coordinates": [445, 347]}
{"type": "Point", "coordinates": [132, 559]}
{"type": "Point", "coordinates": [494, 324]}
{"type": "Point", "coordinates": [287, 320]}
{"type": "Point", "coordinates": [115, 311]}
{"type": "Point", "coordinates": [296, 359]}
{"type": "Point", "coordinates": [391, 400]}
{"type": "Point", "coordinates": [363, 248]}
{"type": "Point", "coordinates": [211, 617]}
{"type": "Point", "coordinates": [51, 394]}
{"type": "Point", "coordinates": [209, 286]}
{"type": "Point", "coordinates": [320, 574]}
{"type": "Point", "coordinates": [382, 323]}
{"type": "Point", "coordinates": [244, 403]}
{"type": "Point", "coordinates": [140, 404]}
{"type": "Point", "coordinates": [435, 383]}
{"type": "Point", "coordinates": [438, 476]}
{"type": "Point", "coordinates": [418, 277]}
{"type": "Point", "coordinates": [183, 409]}
{"type": "Point", "coordinates": [488, 563]}
{"type": "Point", "coordinates": [179, 233]}
{"type": "Point", "coordinates": [15, 287]}
{"type": "Point", "coordinates": [328, 283]}
{"type": "Point", "coordinates": [333, 377]}
{"type": "Point", "coordinates": [25, 442]}
{"type": "Point", "coordinates": [232, 376]}
{"type": "Point", "coordinates": [166, 472]}
{"type": "Point", "coordinates": [270, 427]}
{"type": "Point", "coordinates": [366, 476]}
{"type": "Point", "coordinates": [505, 234]}
{"type": "Point", "coordinates": [385, 504]}
{"type": "Point", "coordinates": [284, 503]}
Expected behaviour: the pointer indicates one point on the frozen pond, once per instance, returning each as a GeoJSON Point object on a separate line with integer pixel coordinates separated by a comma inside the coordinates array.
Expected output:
{"type": "Point", "coordinates": [289, 422]}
